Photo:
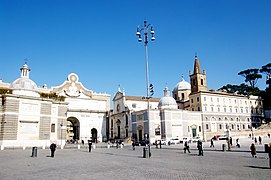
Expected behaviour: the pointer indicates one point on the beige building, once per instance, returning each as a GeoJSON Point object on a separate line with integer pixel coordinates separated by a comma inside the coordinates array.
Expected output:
{"type": "Point", "coordinates": [34, 116]}
{"type": "Point", "coordinates": [192, 111]}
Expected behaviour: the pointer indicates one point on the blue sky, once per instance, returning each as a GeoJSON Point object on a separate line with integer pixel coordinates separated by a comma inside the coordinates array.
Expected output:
{"type": "Point", "coordinates": [97, 41]}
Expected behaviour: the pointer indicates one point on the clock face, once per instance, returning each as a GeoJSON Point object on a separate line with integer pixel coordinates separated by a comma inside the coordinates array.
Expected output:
{"type": "Point", "coordinates": [118, 107]}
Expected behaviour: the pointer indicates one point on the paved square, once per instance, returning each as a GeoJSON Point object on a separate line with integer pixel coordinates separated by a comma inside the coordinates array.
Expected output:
{"type": "Point", "coordinates": [167, 163]}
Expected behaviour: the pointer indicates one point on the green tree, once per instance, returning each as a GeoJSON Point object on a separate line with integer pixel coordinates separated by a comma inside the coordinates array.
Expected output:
{"type": "Point", "coordinates": [266, 69]}
{"type": "Point", "coordinates": [251, 76]}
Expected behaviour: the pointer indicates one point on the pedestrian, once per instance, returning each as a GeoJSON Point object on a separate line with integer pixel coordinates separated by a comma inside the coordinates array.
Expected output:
{"type": "Point", "coordinates": [160, 144]}
{"type": "Point", "coordinates": [268, 135]}
{"type": "Point", "coordinates": [199, 146]}
{"type": "Point", "coordinates": [89, 145]}
{"type": "Point", "coordinates": [253, 150]}
{"type": "Point", "coordinates": [186, 147]}
{"type": "Point", "coordinates": [156, 144]}
{"type": "Point", "coordinates": [230, 141]}
{"type": "Point", "coordinates": [260, 140]}
{"type": "Point", "coordinates": [133, 145]}
{"type": "Point", "coordinates": [83, 142]}
{"type": "Point", "coordinates": [255, 140]}
{"type": "Point", "coordinates": [212, 143]}
{"type": "Point", "coordinates": [269, 154]}
{"type": "Point", "coordinates": [237, 143]}
{"type": "Point", "coordinates": [53, 149]}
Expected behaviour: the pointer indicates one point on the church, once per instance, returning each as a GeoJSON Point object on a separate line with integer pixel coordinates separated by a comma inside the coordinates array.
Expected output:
{"type": "Point", "coordinates": [191, 112]}
{"type": "Point", "coordinates": [37, 116]}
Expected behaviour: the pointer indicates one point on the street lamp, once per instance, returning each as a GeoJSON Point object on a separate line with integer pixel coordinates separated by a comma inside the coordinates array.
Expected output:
{"type": "Point", "coordinates": [146, 29]}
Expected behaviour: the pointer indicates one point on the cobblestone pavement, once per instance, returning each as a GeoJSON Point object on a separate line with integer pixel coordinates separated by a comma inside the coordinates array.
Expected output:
{"type": "Point", "coordinates": [167, 163]}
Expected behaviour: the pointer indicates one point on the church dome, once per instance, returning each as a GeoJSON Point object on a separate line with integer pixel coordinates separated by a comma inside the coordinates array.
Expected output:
{"type": "Point", "coordinates": [183, 85]}
{"type": "Point", "coordinates": [24, 83]}
{"type": "Point", "coordinates": [167, 102]}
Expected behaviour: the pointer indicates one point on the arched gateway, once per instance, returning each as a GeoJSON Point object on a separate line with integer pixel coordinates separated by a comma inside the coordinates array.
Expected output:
{"type": "Point", "coordinates": [87, 113]}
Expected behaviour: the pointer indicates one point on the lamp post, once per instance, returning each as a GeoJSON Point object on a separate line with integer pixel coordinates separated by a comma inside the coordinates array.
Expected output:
{"type": "Point", "coordinates": [147, 29]}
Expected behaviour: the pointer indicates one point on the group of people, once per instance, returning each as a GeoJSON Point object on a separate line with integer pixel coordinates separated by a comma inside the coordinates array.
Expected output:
{"type": "Point", "coordinates": [199, 146]}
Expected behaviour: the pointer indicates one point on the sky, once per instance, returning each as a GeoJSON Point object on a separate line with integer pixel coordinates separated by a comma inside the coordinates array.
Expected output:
{"type": "Point", "coordinates": [96, 39]}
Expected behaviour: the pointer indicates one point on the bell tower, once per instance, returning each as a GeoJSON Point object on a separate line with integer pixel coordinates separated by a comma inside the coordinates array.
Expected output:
{"type": "Point", "coordinates": [198, 79]}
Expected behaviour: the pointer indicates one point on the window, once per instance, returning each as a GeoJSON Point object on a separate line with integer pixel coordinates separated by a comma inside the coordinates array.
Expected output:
{"type": "Point", "coordinates": [204, 98]}
{"type": "Point", "coordinates": [201, 81]}
{"type": "Point", "coordinates": [212, 109]}
{"type": "Point", "coordinates": [218, 109]}
{"type": "Point", "coordinates": [220, 126]}
{"type": "Point", "coordinates": [217, 99]}
{"type": "Point", "coordinates": [225, 110]}
{"type": "Point", "coordinates": [182, 95]}
{"type": "Point", "coordinates": [198, 108]}
{"type": "Point", "coordinates": [232, 126]}
{"type": "Point", "coordinates": [126, 132]}
{"type": "Point", "coordinates": [192, 109]}
{"type": "Point", "coordinates": [192, 101]}
{"type": "Point", "coordinates": [197, 99]}
{"type": "Point", "coordinates": [211, 99]}
{"type": "Point", "coordinates": [194, 82]}
{"type": "Point", "coordinates": [53, 128]}
{"type": "Point", "coordinates": [205, 108]}
{"type": "Point", "coordinates": [199, 128]}
{"type": "Point", "coordinates": [207, 127]}
{"type": "Point", "coordinates": [244, 126]}
{"type": "Point", "coordinates": [111, 122]}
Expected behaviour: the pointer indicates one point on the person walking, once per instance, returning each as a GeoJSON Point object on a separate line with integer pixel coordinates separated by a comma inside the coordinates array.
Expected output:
{"type": "Point", "coordinates": [253, 150]}
{"type": "Point", "coordinates": [260, 140]}
{"type": "Point", "coordinates": [231, 141]}
{"type": "Point", "coordinates": [199, 146]}
{"type": "Point", "coordinates": [53, 149]}
{"type": "Point", "coordinates": [133, 145]}
{"type": "Point", "coordinates": [255, 140]}
{"type": "Point", "coordinates": [237, 143]}
{"type": "Point", "coordinates": [212, 143]}
{"type": "Point", "coordinates": [186, 147]}
{"type": "Point", "coordinates": [89, 145]}
{"type": "Point", "coordinates": [269, 154]}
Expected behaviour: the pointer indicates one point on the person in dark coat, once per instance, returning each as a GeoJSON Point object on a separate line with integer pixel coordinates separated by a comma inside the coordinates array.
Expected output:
{"type": "Point", "coordinates": [89, 146]}
{"type": "Point", "coordinates": [199, 146]}
{"type": "Point", "coordinates": [53, 149]}
{"type": "Point", "coordinates": [269, 154]}
{"type": "Point", "coordinates": [253, 150]}
{"type": "Point", "coordinates": [133, 144]}
{"type": "Point", "coordinates": [260, 140]}
{"type": "Point", "coordinates": [186, 147]}
{"type": "Point", "coordinates": [212, 143]}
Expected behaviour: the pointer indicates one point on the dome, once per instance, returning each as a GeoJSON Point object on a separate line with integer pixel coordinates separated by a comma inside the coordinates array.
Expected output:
{"type": "Point", "coordinates": [167, 102]}
{"type": "Point", "coordinates": [183, 85]}
{"type": "Point", "coordinates": [24, 83]}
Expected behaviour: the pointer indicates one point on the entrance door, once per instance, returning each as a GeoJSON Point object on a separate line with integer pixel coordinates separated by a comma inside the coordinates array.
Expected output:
{"type": "Point", "coordinates": [73, 129]}
{"type": "Point", "coordinates": [94, 135]}
{"type": "Point", "coordinates": [194, 132]}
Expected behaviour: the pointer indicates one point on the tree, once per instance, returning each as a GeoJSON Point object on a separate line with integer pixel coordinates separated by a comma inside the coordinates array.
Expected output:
{"type": "Point", "coordinates": [241, 89]}
{"type": "Point", "coordinates": [267, 70]}
{"type": "Point", "coordinates": [251, 76]}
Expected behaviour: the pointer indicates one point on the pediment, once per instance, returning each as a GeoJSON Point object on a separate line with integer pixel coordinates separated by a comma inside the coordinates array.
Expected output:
{"type": "Point", "coordinates": [72, 87]}
{"type": "Point", "coordinates": [118, 95]}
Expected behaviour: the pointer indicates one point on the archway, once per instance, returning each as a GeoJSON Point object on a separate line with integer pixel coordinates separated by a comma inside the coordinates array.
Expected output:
{"type": "Point", "coordinates": [73, 129]}
{"type": "Point", "coordinates": [94, 134]}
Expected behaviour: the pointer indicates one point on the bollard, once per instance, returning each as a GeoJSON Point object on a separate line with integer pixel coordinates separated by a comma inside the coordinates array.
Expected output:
{"type": "Point", "coordinates": [223, 147]}
{"type": "Point", "coordinates": [34, 151]}
{"type": "Point", "coordinates": [145, 152]}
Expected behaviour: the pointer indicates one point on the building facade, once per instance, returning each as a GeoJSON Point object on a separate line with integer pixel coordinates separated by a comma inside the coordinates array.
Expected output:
{"type": "Point", "coordinates": [38, 116]}
{"type": "Point", "coordinates": [193, 111]}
